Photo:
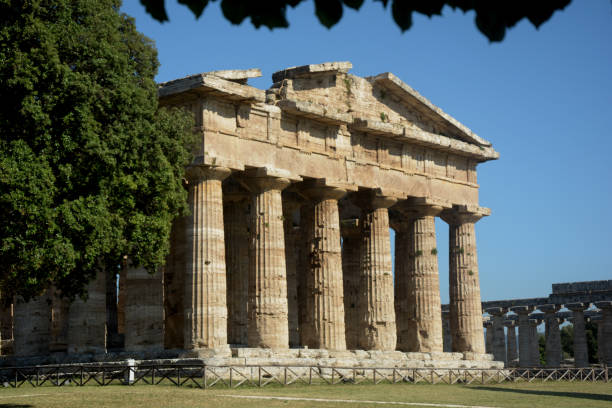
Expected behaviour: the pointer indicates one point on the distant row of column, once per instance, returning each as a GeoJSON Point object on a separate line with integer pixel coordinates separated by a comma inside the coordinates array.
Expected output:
{"type": "Point", "coordinates": [265, 261]}
{"type": "Point", "coordinates": [502, 343]}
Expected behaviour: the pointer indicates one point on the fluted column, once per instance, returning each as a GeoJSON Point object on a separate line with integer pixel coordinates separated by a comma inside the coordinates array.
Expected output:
{"type": "Point", "coordinates": [534, 343]}
{"type": "Point", "coordinates": [303, 262]}
{"type": "Point", "coordinates": [292, 241]}
{"type": "Point", "coordinates": [236, 221]}
{"type": "Point", "coordinates": [351, 254]}
{"type": "Point", "coordinates": [465, 303]}
{"type": "Point", "coordinates": [499, 337]}
{"type": "Point", "coordinates": [605, 326]}
{"type": "Point", "coordinates": [87, 319]}
{"type": "Point", "coordinates": [376, 309]}
{"type": "Point", "coordinates": [325, 292]}
{"type": "Point", "coordinates": [144, 310]}
{"type": "Point", "coordinates": [32, 326]}
{"type": "Point", "coordinates": [581, 352]}
{"type": "Point", "coordinates": [268, 310]}
{"type": "Point", "coordinates": [523, 332]}
{"type": "Point", "coordinates": [511, 351]}
{"type": "Point", "coordinates": [121, 295]}
{"type": "Point", "coordinates": [59, 321]}
{"type": "Point", "coordinates": [420, 319]}
{"type": "Point", "coordinates": [488, 327]}
{"type": "Point", "coordinates": [6, 326]}
{"type": "Point", "coordinates": [205, 307]}
{"type": "Point", "coordinates": [553, 335]}
{"type": "Point", "coordinates": [447, 337]}
{"type": "Point", "coordinates": [174, 286]}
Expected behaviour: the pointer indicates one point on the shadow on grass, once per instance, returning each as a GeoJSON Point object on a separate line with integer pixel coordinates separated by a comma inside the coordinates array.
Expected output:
{"type": "Point", "coordinates": [581, 395]}
{"type": "Point", "coordinates": [15, 406]}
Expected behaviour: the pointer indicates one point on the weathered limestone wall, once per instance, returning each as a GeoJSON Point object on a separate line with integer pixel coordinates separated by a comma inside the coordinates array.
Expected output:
{"type": "Point", "coordinates": [144, 310]}
{"type": "Point", "coordinates": [87, 319]}
{"type": "Point", "coordinates": [32, 326]}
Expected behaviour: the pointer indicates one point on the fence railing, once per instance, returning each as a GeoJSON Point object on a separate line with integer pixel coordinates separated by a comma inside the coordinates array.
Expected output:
{"type": "Point", "coordinates": [205, 376]}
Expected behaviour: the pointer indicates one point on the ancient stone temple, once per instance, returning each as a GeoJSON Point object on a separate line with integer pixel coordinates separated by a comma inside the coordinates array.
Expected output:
{"type": "Point", "coordinates": [293, 192]}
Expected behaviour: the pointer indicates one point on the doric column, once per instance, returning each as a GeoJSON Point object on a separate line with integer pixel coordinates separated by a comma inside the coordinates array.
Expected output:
{"type": "Point", "coordinates": [605, 326]}
{"type": "Point", "coordinates": [464, 286]}
{"type": "Point", "coordinates": [581, 352]}
{"type": "Point", "coordinates": [499, 336]}
{"type": "Point", "coordinates": [534, 343]}
{"type": "Point", "coordinates": [59, 321]}
{"type": "Point", "coordinates": [523, 331]}
{"type": "Point", "coordinates": [420, 318]}
{"type": "Point", "coordinates": [488, 327]}
{"type": "Point", "coordinates": [447, 338]}
{"type": "Point", "coordinates": [174, 286]}
{"type": "Point", "coordinates": [376, 309]}
{"type": "Point", "coordinates": [511, 352]}
{"type": "Point", "coordinates": [121, 300]}
{"type": "Point", "coordinates": [325, 298]}
{"type": "Point", "coordinates": [291, 204]}
{"type": "Point", "coordinates": [32, 326]}
{"type": "Point", "coordinates": [303, 266]}
{"type": "Point", "coordinates": [87, 319]}
{"type": "Point", "coordinates": [144, 310]}
{"type": "Point", "coordinates": [236, 221]}
{"type": "Point", "coordinates": [351, 255]}
{"type": "Point", "coordinates": [553, 335]}
{"type": "Point", "coordinates": [205, 307]}
{"type": "Point", "coordinates": [6, 326]}
{"type": "Point", "coordinates": [267, 309]}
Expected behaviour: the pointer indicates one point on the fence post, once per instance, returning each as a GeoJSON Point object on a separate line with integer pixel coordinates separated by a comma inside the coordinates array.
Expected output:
{"type": "Point", "coordinates": [129, 375]}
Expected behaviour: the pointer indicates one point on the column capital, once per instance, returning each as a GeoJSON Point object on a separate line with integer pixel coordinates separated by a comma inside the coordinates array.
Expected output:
{"type": "Point", "coordinates": [350, 228]}
{"type": "Point", "coordinates": [577, 307]}
{"type": "Point", "coordinates": [496, 311]}
{"type": "Point", "coordinates": [373, 199]}
{"type": "Point", "coordinates": [509, 323]}
{"type": "Point", "coordinates": [549, 308]}
{"type": "Point", "coordinates": [196, 173]}
{"type": "Point", "coordinates": [464, 213]}
{"type": "Point", "coordinates": [522, 310]}
{"type": "Point", "coordinates": [417, 207]}
{"type": "Point", "coordinates": [534, 322]}
{"type": "Point", "coordinates": [320, 189]}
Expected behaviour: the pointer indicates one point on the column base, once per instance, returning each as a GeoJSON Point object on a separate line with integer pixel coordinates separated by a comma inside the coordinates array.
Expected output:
{"type": "Point", "coordinates": [217, 352]}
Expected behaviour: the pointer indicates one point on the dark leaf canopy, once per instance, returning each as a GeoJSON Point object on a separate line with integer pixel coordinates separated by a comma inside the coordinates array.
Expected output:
{"type": "Point", "coordinates": [493, 17]}
{"type": "Point", "coordinates": [90, 170]}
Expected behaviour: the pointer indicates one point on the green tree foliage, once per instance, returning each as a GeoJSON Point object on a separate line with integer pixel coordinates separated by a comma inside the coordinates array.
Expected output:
{"type": "Point", "coordinates": [567, 341]}
{"type": "Point", "coordinates": [492, 17]}
{"type": "Point", "coordinates": [90, 170]}
{"type": "Point", "coordinates": [542, 348]}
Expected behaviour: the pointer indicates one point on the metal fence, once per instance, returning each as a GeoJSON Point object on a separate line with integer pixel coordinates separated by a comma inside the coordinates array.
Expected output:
{"type": "Point", "coordinates": [205, 376]}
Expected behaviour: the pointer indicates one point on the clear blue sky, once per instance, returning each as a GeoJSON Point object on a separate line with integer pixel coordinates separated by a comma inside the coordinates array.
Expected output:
{"type": "Point", "coordinates": [542, 97]}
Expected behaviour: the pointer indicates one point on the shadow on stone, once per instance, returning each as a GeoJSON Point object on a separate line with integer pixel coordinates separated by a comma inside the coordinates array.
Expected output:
{"type": "Point", "coordinates": [597, 397]}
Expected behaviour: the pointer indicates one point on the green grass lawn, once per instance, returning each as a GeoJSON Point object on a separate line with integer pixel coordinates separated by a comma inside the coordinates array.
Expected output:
{"type": "Point", "coordinates": [533, 395]}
